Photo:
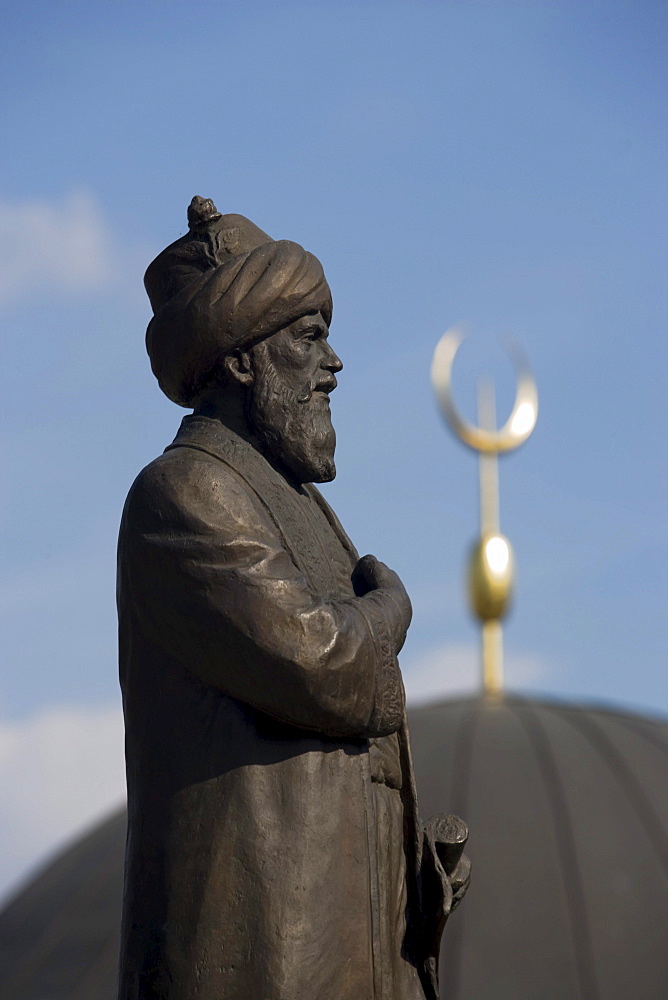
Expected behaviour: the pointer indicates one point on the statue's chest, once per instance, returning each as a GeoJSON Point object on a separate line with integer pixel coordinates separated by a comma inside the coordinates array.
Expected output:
{"type": "Point", "coordinates": [317, 549]}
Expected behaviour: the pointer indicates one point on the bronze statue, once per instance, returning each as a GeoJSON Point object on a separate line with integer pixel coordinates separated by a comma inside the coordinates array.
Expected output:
{"type": "Point", "coordinates": [274, 848]}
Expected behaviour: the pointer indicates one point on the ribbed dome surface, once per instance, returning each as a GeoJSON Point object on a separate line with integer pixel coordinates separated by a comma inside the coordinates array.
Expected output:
{"type": "Point", "coordinates": [568, 811]}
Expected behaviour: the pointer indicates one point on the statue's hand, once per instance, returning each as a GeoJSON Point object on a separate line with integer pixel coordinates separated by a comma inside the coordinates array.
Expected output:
{"type": "Point", "coordinates": [459, 880]}
{"type": "Point", "coordinates": [370, 574]}
{"type": "Point", "coordinates": [445, 876]}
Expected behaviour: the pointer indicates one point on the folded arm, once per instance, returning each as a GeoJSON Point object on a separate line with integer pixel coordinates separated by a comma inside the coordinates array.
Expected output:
{"type": "Point", "coordinates": [214, 586]}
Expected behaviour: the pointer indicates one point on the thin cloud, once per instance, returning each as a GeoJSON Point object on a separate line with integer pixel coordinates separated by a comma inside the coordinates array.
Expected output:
{"type": "Point", "coordinates": [60, 771]}
{"type": "Point", "coordinates": [61, 245]}
{"type": "Point", "coordinates": [454, 669]}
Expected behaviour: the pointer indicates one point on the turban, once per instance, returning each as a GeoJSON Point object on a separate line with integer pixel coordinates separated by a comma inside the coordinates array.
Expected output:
{"type": "Point", "coordinates": [224, 285]}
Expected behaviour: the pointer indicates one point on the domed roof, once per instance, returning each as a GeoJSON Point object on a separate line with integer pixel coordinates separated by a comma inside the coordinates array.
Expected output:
{"type": "Point", "coordinates": [568, 811]}
{"type": "Point", "coordinates": [568, 815]}
{"type": "Point", "coordinates": [59, 937]}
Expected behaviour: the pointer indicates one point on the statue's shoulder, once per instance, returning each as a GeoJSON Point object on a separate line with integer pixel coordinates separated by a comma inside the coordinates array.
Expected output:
{"type": "Point", "coordinates": [188, 485]}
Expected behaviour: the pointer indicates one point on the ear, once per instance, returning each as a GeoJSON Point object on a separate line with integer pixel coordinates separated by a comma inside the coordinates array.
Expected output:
{"type": "Point", "coordinates": [238, 366]}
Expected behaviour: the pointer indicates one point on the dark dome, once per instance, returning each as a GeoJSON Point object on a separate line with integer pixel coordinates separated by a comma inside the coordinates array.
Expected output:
{"type": "Point", "coordinates": [568, 813]}
{"type": "Point", "coordinates": [568, 809]}
{"type": "Point", "coordinates": [59, 937]}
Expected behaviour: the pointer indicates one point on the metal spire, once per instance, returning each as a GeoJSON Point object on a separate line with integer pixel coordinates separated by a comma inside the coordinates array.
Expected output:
{"type": "Point", "coordinates": [491, 565]}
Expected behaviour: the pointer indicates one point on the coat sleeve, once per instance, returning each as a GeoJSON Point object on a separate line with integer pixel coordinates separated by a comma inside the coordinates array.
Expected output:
{"type": "Point", "coordinates": [212, 583]}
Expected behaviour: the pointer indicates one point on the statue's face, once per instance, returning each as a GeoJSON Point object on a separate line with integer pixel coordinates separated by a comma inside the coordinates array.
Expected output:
{"type": "Point", "coordinates": [294, 372]}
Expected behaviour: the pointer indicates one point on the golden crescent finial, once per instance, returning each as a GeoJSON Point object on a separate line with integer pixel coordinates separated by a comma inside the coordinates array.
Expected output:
{"type": "Point", "coordinates": [522, 419]}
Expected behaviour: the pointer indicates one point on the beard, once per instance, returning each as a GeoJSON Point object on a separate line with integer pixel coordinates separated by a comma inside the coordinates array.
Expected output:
{"type": "Point", "coordinates": [295, 428]}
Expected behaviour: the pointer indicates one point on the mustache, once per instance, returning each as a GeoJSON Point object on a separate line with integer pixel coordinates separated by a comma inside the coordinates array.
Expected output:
{"type": "Point", "coordinates": [325, 385]}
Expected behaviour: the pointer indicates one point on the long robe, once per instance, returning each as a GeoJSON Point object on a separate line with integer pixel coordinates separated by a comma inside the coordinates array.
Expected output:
{"type": "Point", "coordinates": [271, 815]}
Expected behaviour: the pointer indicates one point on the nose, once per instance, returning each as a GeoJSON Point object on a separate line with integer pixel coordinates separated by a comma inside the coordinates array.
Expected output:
{"type": "Point", "coordinates": [331, 361]}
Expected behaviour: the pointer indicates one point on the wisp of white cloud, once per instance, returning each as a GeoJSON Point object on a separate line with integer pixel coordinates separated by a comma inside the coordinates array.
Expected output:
{"type": "Point", "coordinates": [60, 771]}
{"type": "Point", "coordinates": [454, 669]}
{"type": "Point", "coordinates": [63, 245]}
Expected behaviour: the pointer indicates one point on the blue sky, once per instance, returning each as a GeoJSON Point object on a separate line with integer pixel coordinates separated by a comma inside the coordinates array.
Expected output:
{"type": "Point", "coordinates": [501, 165]}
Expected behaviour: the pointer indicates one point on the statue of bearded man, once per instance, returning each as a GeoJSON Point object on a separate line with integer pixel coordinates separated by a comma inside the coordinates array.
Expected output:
{"type": "Point", "coordinates": [274, 849]}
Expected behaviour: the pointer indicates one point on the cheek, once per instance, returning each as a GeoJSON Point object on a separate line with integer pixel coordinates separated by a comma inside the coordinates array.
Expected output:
{"type": "Point", "coordinates": [299, 364]}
